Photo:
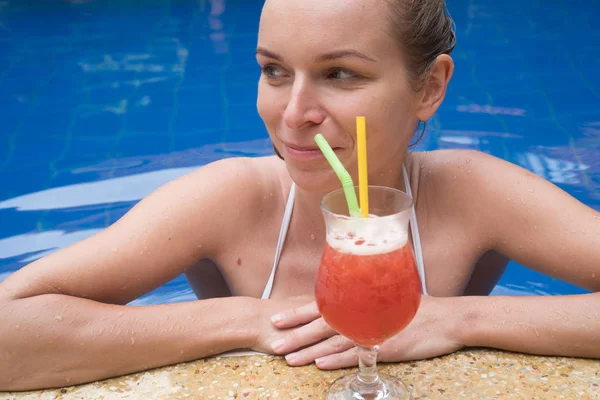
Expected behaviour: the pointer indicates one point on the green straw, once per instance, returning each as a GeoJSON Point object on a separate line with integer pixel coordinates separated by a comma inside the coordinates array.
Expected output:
{"type": "Point", "coordinates": [342, 174]}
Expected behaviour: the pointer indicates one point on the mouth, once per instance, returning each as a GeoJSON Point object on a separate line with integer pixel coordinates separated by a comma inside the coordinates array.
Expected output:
{"type": "Point", "coordinates": [305, 152]}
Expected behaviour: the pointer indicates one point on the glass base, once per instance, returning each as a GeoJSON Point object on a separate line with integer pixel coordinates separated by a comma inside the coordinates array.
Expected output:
{"type": "Point", "coordinates": [387, 388]}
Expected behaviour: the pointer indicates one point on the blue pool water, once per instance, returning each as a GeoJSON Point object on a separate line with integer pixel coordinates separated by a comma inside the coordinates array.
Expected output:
{"type": "Point", "coordinates": [103, 101]}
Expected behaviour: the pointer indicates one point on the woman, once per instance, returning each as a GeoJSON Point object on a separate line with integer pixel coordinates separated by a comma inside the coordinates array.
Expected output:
{"type": "Point", "coordinates": [64, 316]}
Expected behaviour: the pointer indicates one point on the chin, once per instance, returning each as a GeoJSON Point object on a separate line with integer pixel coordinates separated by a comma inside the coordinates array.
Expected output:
{"type": "Point", "coordinates": [315, 181]}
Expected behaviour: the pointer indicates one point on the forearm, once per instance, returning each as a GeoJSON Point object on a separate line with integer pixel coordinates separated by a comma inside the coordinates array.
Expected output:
{"type": "Point", "coordinates": [56, 340]}
{"type": "Point", "coordinates": [545, 325]}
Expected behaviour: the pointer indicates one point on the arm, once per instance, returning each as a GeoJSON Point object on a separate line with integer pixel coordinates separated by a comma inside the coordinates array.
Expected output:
{"type": "Point", "coordinates": [63, 317]}
{"type": "Point", "coordinates": [533, 222]}
{"type": "Point", "coordinates": [544, 325]}
{"type": "Point", "coordinates": [55, 340]}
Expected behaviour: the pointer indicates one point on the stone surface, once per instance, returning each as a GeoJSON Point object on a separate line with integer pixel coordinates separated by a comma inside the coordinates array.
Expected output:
{"type": "Point", "coordinates": [476, 374]}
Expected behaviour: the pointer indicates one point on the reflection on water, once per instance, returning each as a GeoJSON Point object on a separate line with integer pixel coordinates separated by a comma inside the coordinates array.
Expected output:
{"type": "Point", "coordinates": [41, 243]}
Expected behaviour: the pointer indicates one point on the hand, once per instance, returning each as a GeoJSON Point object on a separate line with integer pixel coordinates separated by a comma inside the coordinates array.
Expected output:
{"type": "Point", "coordinates": [430, 334]}
{"type": "Point", "coordinates": [269, 333]}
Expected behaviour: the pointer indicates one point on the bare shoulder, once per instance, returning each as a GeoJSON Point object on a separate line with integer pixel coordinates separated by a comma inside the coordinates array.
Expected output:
{"type": "Point", "coordinates": [470, 177]}
{"type": "Point", "coordinates": [228, 192]}
{"type": "Point", "coordinates": [513, 211]}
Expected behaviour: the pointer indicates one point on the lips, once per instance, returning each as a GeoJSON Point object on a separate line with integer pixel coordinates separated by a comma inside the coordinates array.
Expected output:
{"type": "Point", "coordinates": [301, 148]}
{"type": "Point", "coordinates": [304, 153]}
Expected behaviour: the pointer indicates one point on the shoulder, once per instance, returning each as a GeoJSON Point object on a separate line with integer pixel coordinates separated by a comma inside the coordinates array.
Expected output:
{"type": "Point", "coordinates": [219, 200]}
{"type": "Point", "coordinates": [461, 174]}
{"type": "Point", "coordinates": [471, 189]}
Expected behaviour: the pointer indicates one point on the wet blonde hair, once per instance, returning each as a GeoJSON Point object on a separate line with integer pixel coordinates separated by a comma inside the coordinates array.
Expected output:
{"type": "Point", "coordinates": [423, 30]}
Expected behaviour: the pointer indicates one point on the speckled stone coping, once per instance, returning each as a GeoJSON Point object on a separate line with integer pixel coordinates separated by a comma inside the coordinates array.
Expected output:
{"type": "Point", "coordinates": [477, 374]}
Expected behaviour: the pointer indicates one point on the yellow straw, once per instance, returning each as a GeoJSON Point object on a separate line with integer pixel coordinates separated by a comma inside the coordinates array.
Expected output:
{"type": "Point", "coordinates": [363, 183]}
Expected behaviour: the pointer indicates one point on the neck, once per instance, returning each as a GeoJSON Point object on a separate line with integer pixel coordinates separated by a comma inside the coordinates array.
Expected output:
{"type": "Point", "coordinates": [308, 204]}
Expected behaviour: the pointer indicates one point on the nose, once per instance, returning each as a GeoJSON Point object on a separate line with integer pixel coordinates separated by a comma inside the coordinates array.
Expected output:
{"type": "Point", "coordinates": [303, 107]}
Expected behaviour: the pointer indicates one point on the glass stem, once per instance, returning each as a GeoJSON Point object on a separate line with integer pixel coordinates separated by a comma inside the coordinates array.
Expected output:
{"type": "Point", "coordinates": [367, 366]}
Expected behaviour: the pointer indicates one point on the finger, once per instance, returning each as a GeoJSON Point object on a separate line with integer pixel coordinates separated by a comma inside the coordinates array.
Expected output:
{"type": "Point", "coordinates": [306, 335]}
{"type": "Point", "coordinates": [348, 358]}
{"type": "Point", "coordinates": [333, 345]}
{"type": "Point", "coordinates": [296, 316]}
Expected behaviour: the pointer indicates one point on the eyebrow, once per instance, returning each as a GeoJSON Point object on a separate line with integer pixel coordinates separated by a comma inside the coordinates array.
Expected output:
{"type": "Point", "coordinates": [325, 57]}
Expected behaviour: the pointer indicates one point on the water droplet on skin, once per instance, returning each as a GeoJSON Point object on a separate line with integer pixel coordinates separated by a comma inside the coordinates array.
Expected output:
{"type": "Point", "coordinates": [132, 340]}
{"type": "Point", "coordinates": [521, 246]}
{"type": "Point", "coordinates": [18, 326]}
{"type": "Point", "coordinates": [469, 161]}
{"type": "Point", "coordinates": [58, 318]}
{"type": "Point", "coordinates": [312, 236]}
{"type": "Point", "coordinates": [115, 250]}
{"type": "Point", "coordinates": [536, 332]}
{"type": "Point", "coordinates": [508, 199]}
{"type": "Point", "coordinates": [507, 310]}
{"type": "Point", "coordinates": [199, 246]}
{"type": "Point", "coordinates": [535, 228]}
{"type": "Point", "coordinates": [583, 231]}
{"type": "Point", "coordinates": [120, 313]}
{"type": "Point", "coordinates": [593, 274]}
{"type": "Point", "coordinates": [181, 352]}
{"type": "Point", "coordinates": [454, 177]}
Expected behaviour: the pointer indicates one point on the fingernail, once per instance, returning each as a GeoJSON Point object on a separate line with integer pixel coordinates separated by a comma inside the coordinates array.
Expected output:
{"type": "Point", "coordinates": [291, 358]}
{"type": "Point", "coordinates": [278, 344]}
{"type": "Point", "coordinates": [277, 318]}
{"type": "Point", "coordinates": [321, 362]}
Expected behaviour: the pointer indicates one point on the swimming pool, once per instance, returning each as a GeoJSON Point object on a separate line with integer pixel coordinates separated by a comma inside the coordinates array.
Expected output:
{"type": "Point", "coordinates": [103, 101]}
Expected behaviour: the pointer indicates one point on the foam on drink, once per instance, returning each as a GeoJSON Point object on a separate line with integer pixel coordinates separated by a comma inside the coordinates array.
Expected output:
{"type": "Point", "coordinates": [368, 239]}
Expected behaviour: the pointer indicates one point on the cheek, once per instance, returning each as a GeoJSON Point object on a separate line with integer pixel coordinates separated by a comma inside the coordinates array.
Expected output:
{"type": "Point", "coordinates": [268, 105]}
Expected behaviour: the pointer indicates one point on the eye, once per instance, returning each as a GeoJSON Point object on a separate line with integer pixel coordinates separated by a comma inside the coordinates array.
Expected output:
{"type": "Point", "coordinates": [272, 71]}
{"type": "Point", "coordinates": [341, 74]}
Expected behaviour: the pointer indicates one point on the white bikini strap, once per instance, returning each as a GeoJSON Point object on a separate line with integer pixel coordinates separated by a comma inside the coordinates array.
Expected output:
{"type": "Point", "coordinates": [415, 233]}
{"type": "Point", "coordinates": [287, 217]}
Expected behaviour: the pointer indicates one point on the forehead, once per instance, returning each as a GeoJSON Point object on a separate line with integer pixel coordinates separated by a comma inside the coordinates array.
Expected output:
{"type": "Point", "coordinates": [321, 25]}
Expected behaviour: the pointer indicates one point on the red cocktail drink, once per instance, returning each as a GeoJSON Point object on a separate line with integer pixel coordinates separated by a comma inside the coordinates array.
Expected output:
{"type": "Point", "coordinates": [370, 296]}
{"type": "Point", "coordinates": [368, 287]}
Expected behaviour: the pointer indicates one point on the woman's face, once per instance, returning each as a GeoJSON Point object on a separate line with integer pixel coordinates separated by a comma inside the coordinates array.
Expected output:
{"type": "Point", "coordinates": [323, 64]}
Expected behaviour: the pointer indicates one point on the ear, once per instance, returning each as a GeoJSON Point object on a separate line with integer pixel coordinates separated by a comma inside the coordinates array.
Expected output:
{"type": "Point", "coordinates": [434, 90]}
